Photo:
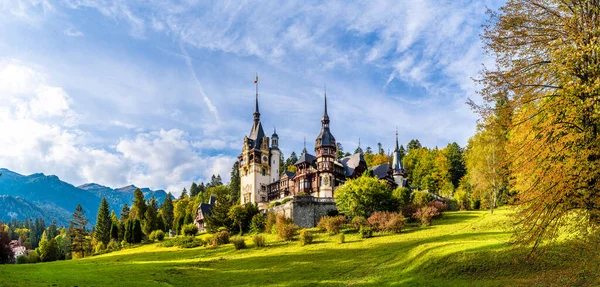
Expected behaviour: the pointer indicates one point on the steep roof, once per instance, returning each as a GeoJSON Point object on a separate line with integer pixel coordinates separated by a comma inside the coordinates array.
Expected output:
{"type": "Point", "coordinates": [305, 157]}
{"type": "Point", "coordinates": [256, 133]}
{"type": "Point", "coordinates": [325, 137]}
{"type": "Point", "coordinates": [381, 171]}
{"type": "Point", "coordinates": [397, 161]}
{"type": "Point", "coordinates": [351, 162]}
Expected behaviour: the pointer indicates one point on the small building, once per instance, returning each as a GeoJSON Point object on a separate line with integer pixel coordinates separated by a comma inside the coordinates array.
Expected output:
{"type": "Point", "coordinates": [203, 211]}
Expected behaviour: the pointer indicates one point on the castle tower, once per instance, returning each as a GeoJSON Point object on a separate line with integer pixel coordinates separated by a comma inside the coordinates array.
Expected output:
{"type": "Point", "coordinates": [326, 150]}
{"type": "Point", "coordinates": [398, 170]}
{"type": "Point", "coordinates": [255, 168]}
{"type": "Point", "coordinates": [275, 156]}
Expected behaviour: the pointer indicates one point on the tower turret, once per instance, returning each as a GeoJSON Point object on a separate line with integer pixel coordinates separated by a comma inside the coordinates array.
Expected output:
{"type": "Point", "coordinates": [326, 151]}
{"type": "Point", "coordinates": [398, 170]}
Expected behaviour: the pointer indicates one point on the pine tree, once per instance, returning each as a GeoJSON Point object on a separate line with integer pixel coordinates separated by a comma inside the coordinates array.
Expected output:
{"type": "Point", "coordinates": [151, 216]}
{"type": "Point", "coordinates": [79, 240]}
{"type": "Point", "coordinates": [219, 216]}
{"type": "Point", "coordinates": [167, 211]}
{"type": "Point", "coordinates": [193, 189]}
{"type": "Point", "coordinates": [234, 184]}
{"type": "Point", "coordinates": [124, 213]}
{"type": "Point", "coordinates": [128, 235]}
{"type": "Point", "coordinates": [137, 231]}
{"type": "Point", "coordinates": [139, 203]}
{"type": "Point", "coordinates": [114, 231]}
{"type": "Point", "coordinates": [103, 223]}
{"type": "Point", "coordinates": [184, 194]}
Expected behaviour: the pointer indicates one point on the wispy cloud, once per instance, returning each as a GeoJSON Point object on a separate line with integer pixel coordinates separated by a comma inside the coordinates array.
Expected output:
{"type": "Point", "coordinates": [71, 32]}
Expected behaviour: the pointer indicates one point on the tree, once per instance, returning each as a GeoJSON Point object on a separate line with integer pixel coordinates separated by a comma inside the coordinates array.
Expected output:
{"type": "Point", "coordinates": [219, 215]}
{"type": "Point", "coordinates": [340, 151]}
{"type": "Point", "coordinates": [380, 149]}
{"type": "Point", "coordinates": [216, 180]}
{"type": "Point", "coordinates": [124, 213]}
{"type": "Point", "coordinates": [150, 222]}
{"type": "Point", "coordinates": [546, 78]}
{"type": "Point", "coordinates": [139, 203]}
{"type": "Point", "coordinates": [137, 231]}
{"type": "Point", "coordinates": [114, 231]}
{"type": "Point", "coordinates": [234, 184]}
{"type": "Point", "coordinates": [103, 223]}
{"type": "Point", "coordinates": [454, 154]}
{"type": "Point", "coordinates": [364, 195]}
{"type": "Point", "coordinates": [49, 250]}
{"type": "Point", "coordinates": [6, 253]}
{"type": "Point", "coordinates": [79, 236]}
{"type": "Point", "coordinates": [414, 144]}
{"type": "Point", "coordinates": [193, 190]}
{"type": "Point", "coordinates": [167, 212]}
{"type": "Point", "coordinates": [183, 195]}
{"type": "Point", "coordinates": [237, 214]}
{"type": "Point", "coordinates": [51, 231]}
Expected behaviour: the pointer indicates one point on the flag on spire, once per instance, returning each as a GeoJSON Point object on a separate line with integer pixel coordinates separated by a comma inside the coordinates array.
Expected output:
{"type": "Point", "coordinates": [256, 79]}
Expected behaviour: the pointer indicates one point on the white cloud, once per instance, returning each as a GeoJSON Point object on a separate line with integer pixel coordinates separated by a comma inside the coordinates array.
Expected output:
{"type": "Point", "coordinates": [72, 32]}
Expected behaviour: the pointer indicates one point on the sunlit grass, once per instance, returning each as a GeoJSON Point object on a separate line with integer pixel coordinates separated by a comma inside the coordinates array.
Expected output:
{"type": "Point", "coordinates": [463, 248]}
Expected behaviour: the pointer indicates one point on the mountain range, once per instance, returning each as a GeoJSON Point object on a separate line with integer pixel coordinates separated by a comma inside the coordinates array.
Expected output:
{"type": "Point", "coordinates": [48, 197]}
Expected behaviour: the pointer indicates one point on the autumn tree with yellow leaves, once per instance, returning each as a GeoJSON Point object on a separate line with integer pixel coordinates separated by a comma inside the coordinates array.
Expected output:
{"type": "Point", "coordinates": [547, 75]}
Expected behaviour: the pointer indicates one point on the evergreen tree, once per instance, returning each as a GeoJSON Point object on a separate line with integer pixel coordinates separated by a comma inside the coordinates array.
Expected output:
{"type": "Point", "coordinates": [167, 211]}
{"type": "Point", "coordinates": [122, 229]}
{"type": "Point", "coordinates": [6, 253]}
{"type": "Point", "coordinates": [454, 153]}
{"type": "Point", "coordinates": [234, 184]}
{"type": "Point", "coordinates": [414, 144]}
{"type": "Point", "coordinates": [151, 216]}
{"type": "Point", "coordinates": [51, 231]}
{"type": "Point", "coordinates": [202, 192]}
{"type": "Point", "coordinates": [103, 223]}
{"type": "Point", "coordinates": [79, 240]}
{"type": "Point", "coordinates": [49, 250]}
{"type": "Point", "coordinates": [114, 231]}
{"type": "Point", "coordinates": [139, 203]}
{"type": "Point", "coordinates": [128, 235]}
{"type": "Point", "coordinates": [184, 194]}
{"type": "Point", "coordinates": [216, 180]}
{"type": "Point", "coordinates": [219, 216]}
{"type": "Point", "coordinates": [137, 231]}
{"type": "Point", "coordinates": [193, 190]}
{"type": "Point", "coordinates": [369, 150]}
{"type": "Point", "coordinates": [380, 149]}
{"type": "Point", "coordinates": [124, 213]}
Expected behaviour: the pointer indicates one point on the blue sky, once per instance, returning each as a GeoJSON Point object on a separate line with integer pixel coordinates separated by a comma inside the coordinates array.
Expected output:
{"type": "Point", "coordinates": [161, 94]}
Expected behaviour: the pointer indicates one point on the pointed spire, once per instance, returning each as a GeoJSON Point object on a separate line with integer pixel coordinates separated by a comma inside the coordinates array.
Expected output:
{"type": "Point", "coordinates": [304, 150]}
{"type": "Point", "coordinates": [256, 111]}
{"type": "Point", "coordinates": [325, 119]}
{"type": "Point", "coordinates": [397, 148]}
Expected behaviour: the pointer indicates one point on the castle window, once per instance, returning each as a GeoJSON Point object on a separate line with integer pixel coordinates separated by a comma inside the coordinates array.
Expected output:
{"type": "Point", "coordinates": [263, 172]}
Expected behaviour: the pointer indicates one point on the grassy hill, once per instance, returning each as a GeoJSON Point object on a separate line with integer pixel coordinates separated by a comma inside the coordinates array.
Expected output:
{"type": "Point", "coordinates": [462, 249]}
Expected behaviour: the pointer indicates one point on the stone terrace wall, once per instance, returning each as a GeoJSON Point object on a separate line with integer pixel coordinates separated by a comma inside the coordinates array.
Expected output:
{"type": "Point", "coordinates": [306, 211]}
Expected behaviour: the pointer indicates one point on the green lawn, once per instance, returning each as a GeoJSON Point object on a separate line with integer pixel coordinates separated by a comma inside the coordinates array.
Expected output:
{"type": "Point", "coordinates": [467, 248]}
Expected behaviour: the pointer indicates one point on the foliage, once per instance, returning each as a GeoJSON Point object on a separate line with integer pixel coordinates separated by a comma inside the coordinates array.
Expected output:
{"type": "Point", "coordinates": [358, 221]}
{"type": "Point", "coordinates": [364, 195]}
{"type": "Point", "coordinates": [124, 213]}
{"type": "Point", "coordinates": [79, 236]}
{"type": "Point", "coordinates": [234, 184]}
{"type": "Point", "coordinates": [402, 196]}
{"type": "Point", "coordinates": [257, 224]}
{"type": "Point", "coordinates": [139, 204]}
{"type": "Point", "coordinates": [333, 224]}
{"type": "Point", "coordinates": [341, 238]}
{"type": "Point", "coordinates": [425, 214]}
{"type": "Point", "coordinates": [136, 231]}
{"type": "Point", "coordinates": [237, 214]}
{"type": "Point", "coordinates": [219, 216]}
{"type": "Point", "coordinates": [259, 241]}
{"type": "Point", "coordinates": [166, 212]}
{"type": "Point", "coordinates": [365, 231]}
{"type": "Point", "coordinates": [113, 245]}
{"type": "Point", "coordinates": [103, 223]}
{"type": "Point", "coordinates": [386, 221]}
{"type": "Point", "coordinates": [49, 250]}
{"type": "Point", "coordinates": [270, 222]}
{"type": "Point", "coordinates": [376, 159]}
{"type": "Point", "coordinates": [183, 242]}
{"type": "Point", "coordinates": [238, 242]}
{"type": "Point", "coordinates": [454, 154]}
{"type": "Point", "coordinates": [151, 217]}
{"type": "Point", "coordinates": [306, 237]}
{"type": "Point", "coordinates": [285, 228]}
{"type": "Point", "coordinates": [6, 253]}
{"type": "Point", "coordinates": [22, 259]}
{"type": "Point", "coordinates": [190, 229]}
{"type": "Point", "coordinates": [286, 200]}
{"type": "Point", "coordinates": [100, 247]}
{"type": "Point", "coordinates": [274, 203]}
{"type": "Point", "coordinates": [221, 237]}
{"type": "Point", "coordinates": [420, 198]}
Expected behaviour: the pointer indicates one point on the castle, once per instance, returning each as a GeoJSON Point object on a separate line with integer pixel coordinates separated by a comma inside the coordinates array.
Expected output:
{"type": "Point", "coordinates": [318, 176]}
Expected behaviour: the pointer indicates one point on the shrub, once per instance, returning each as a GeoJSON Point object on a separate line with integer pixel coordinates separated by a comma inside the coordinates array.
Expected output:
{"type": "Point", "coordinates": [425, 214]}
{"type": "Point", "coordinates": [357, 222]}
{"type": "Point", "coordinates": [285, 200]}
{"type": "Point", "coordinates": [221, 237]}
{"type": "Point", "coordinates": [333, 224]}
{"type": "Point", "coordinates": [33, 257]}
{"type": "Point", "coordinates": [365, 231]}
{"type": "Point", "coordinates": [100, 247]}
{"type": "Point", "coordinates": [341, 238]}
{"type": "Point", "coordinates": [270, 222]}
{"type": "Point", "coordinates": [421, 198]}
{"type": "Point", "coordinates": [160, 235]}
{"type": "Point", "coordinates": [386, 221]}
{"type": "Point", "coordinates": [285, 228]}
{"type": "Point", "coordinates": [462, 199]}
{"type": "Point", "coordinates": [195, 242]}
{"type": "Point", "coordinates": [152, 235]}
{"type": "Point", "coordinates": [190, 229]}
{"type": "Point", "coordinates": [259, 241]}
{"type": "Point", "coordinates": [257, 224]}
{"type": "Point", "coordinates": [274, 203]}
{"type": "Point", "coordinates": [306, 237]}
{"type": "Point", "coordinates": [238, 243]}
{"type": "Point", "coordinates": [441, 206]}
{"type": "Point", "coordinates": [22, 259]}
{"type": "Point", "coordinates": [113, 245]}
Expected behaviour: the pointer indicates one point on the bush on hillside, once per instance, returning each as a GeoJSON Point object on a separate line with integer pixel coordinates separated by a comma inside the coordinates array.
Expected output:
{"type": "Point", "coordinates": [22, 259]}
{"type": "Point", "coordinates": [259, 241]}
{"type": "Point", "coordinates": [100, 247]}
{"type": "Point", "coordinates": [365, 231]}
{"type": "Point", "coordinates": [425, 214]}
{"type": "Point", "coordinates": [257, 224]}
{"type": "Point", "coordinates": [306, 237]}
{"type": "Point", "coordinates": [286, 229]}
{"type": "Point", "coordinates": [270, 222]}
{"type": "Point", "coordinates": [190, 229]}
{"type": "Point", "coordinates": [341, 238]}
{"type": "Point", "coordinates": [221, 237]}
{"type": "Point", "coordinates": [333, 224]}
{"type": "Point", "coordinates": [421, 198]}
{"type": "Point", "coordinates": [160, 235]}
{"type": "Point", "coordinates": [386, 221]}
{"type": "Point", "coordinates": [113, 245]}
{"type": "Point", "coordinates": [238, 243]}
{"type": "Point", "coordinates": [357, 222]}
